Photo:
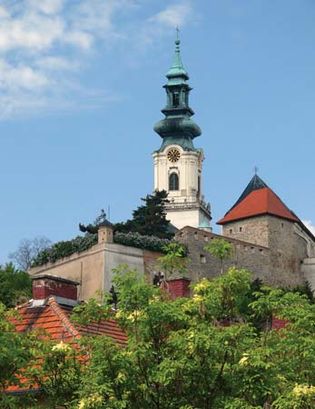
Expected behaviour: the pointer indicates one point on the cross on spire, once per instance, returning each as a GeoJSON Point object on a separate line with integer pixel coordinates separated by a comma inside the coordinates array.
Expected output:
{"type": "Point", "coordinates": [177, 35]}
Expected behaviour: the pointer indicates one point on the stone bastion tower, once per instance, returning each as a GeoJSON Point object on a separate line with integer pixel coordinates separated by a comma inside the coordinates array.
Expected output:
{"type": "Point", "coordinates": [177, 163]}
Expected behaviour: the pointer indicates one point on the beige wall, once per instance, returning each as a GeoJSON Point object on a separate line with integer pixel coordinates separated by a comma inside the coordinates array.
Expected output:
{"type": "Point", "coordinates": [93, 268]}
{"type": "Point", "coordinates": [87, 268]}
{"type": "Point", "coordinates": [116, 254]}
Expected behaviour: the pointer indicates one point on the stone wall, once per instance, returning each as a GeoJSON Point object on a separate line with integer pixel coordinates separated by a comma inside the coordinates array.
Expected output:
{"type": "Point", "coordinates": [308, 269]}
{"type": "Point", "coordinates": [287, 242]}
{"type": "Point", "coordinates": [246, 255]}
{"type": "Point", "coordinates": [254, 230]}
{"type": "Point", "coordinates": [288, 251]}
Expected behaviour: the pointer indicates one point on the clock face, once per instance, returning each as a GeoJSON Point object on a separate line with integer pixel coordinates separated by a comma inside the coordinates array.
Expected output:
{"type": "Point", "coordinates": [173, 155]}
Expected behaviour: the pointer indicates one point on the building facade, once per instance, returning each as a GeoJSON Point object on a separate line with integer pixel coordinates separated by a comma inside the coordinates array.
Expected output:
{"type": "Point", "coordinates": [177, 163]}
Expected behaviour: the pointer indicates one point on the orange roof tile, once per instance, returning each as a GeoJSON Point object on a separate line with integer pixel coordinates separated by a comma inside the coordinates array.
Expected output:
{"type": "Point", "coordinates": [259, 202]}
{"type": "Point", "coordinates": [55, 320]}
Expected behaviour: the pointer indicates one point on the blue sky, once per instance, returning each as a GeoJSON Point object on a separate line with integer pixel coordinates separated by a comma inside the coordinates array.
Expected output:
{"type": "Point", "coordinates": [81, 88]}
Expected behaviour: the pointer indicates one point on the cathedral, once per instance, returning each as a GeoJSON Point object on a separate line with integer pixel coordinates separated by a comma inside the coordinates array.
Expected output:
{"type": "Point", "coordinates": [267, 238]}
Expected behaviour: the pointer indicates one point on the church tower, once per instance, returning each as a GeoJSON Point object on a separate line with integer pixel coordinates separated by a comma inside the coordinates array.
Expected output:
{"type": "Point", "coordinates": [178, 164]}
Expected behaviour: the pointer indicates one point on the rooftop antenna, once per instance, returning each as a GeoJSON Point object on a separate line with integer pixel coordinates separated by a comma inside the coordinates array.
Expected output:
{"type": "Point", "coordinates": [256, 169]}
{"type": "Point", "coordinates": [108, 213]}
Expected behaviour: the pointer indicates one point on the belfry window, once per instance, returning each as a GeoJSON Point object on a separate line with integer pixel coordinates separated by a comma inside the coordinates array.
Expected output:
{"type": "Point", "coordinates": [173, 182]}
{"type": "Point", "coordinates": [175, 99]}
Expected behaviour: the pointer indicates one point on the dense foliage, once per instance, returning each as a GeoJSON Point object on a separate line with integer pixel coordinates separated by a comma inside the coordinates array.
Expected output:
{"type": "Point", "coordinates": [17, 352]}
{"type": "Point", "coordinates": [150, 218]}
{"type": "Point", "coordinates": [197, 353]}
{"type": "Point", "coordinates": [148, 229]}
{"type": "Point", "coordinates": [15, 285]}
{"type": "Point", "coordinates": [65, 249]}
{"type": "Point", "coordinates": [204, 352]}
{"type": "Point", "coordinates": [143, 242]}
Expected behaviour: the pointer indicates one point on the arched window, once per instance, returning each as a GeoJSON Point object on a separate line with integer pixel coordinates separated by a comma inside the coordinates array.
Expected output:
{"type": "Point", "coordinates": [173, 182]}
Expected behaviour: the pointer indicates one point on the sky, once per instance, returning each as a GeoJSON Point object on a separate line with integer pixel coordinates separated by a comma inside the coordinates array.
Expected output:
{"type": "Point", "coordinates": [81, 88]}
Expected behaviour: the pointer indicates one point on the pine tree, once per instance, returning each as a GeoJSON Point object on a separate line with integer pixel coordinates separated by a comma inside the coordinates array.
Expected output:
{"type": "Point", "coordinates": [150, 218]}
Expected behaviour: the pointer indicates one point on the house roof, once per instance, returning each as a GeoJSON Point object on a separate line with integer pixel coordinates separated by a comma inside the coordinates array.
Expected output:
{"type": "Point", "coordinates": [55, 320]}
{"type": "Point", "coordinates": [258, 199]}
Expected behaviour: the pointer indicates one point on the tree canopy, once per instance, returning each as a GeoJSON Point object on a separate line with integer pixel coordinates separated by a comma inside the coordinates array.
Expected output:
{"type": "Point", "coordinates": [15, 285]}
{"type": "Point", "coordinates": [150, 218]}
{"type": "Point", "coordinates": [203, 352]}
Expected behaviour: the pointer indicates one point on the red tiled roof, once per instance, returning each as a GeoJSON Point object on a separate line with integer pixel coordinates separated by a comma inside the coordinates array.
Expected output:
{"type": "Point", "coordinates": [55, 320]}
{"type": "Point", "coordinates": [259, 202]}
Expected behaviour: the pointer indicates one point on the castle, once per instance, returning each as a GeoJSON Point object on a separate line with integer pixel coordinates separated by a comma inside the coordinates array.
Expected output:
{"type": "Point", "coordinates": [267, 237]}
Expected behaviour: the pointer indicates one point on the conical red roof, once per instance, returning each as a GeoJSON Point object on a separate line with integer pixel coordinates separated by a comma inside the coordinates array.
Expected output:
{"type": "Point", "coordinates": [256, 200]}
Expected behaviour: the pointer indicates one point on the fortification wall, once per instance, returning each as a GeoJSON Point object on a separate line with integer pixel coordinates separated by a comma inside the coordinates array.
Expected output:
{"type": "Point", "coordinates": [245, 255]}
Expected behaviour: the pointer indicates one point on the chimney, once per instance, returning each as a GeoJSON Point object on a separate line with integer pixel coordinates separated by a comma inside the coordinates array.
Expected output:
{"type": "Point", "coordinates": [178, 287]}
{"type": "Point", "coordinates": [45, 285]}
{"type": "Point", "coordinates": [105, 232]}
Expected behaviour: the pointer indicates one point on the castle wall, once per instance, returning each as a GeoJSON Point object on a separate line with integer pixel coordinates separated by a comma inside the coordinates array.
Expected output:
{"type": "Point", "coordinates": [308, 269]}
{"type": "Point", "coordinates": [254, 229]}
{"type": "Point", "coordinates": [288, 250]}
{"type": "Point", "coordinates": [87, 268]}
{"type": "Point", "coordinates": [93, 268]}
{"type": "Point", "coordinates": [117, 254]}
{"type": "Point", "coordinates": [246, 255]}
{"type": "Point", "coordinates": [287, 243]}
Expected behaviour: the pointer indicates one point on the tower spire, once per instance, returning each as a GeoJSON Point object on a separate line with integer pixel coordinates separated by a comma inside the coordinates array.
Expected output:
{"type": "Point", "coordinates": [177, 126]}
{"type": "Point", "coordinates": [177, 69]}
{"type": "Point", "coordinates": [177, 163]}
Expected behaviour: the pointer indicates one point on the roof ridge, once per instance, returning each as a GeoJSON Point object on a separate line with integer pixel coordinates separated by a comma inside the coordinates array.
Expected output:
{"type": "Point", "coordinates": [52, 302]}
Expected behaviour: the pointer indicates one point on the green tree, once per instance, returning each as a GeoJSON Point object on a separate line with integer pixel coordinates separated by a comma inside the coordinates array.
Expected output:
{"type": "Point", "coordinates": [220, 249]}
{"type": "Point", "coordinates": [203, 352]}
{"type": "Point", "coordinates": [150, 218]}
{"type": "Point", "coordinates": [17, 352]}
{"type": "Point", "coordinates": [16, 285]}
{"type": "Point", "coordinates": [174, 261]}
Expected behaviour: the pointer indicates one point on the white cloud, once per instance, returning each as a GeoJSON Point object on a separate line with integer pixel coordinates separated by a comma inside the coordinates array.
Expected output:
{"type": "Point", "coordinates": [309, 224]}
{"type": "Point", "coordinates": [55, 63]}
{"type": "Point", "coordinates": [174, 15]}
{"type": "Point", "coordinates": [47, 6]}
{"type": "Point", "coordinates": [43, 42]}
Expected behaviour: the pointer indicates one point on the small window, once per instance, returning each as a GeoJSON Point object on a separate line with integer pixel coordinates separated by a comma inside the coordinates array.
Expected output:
{"type": "Point", "coordinates": [175, 99]}
{"type": "Point", "coordinates": [173, 181]}
{"type": "Point", "coordinates": [203, 259]}
{"type": "Point", "coordinates": [231, 231]}
{"type": "Point", "coordinates": [196, 235]}
{"type": "Point", "coordinates": [206, 238]}
{"type": "Point", "coordinates": [241, 229]}
{"type": "Point", "coordinates": [282, 225]}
